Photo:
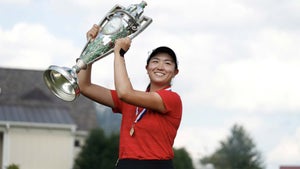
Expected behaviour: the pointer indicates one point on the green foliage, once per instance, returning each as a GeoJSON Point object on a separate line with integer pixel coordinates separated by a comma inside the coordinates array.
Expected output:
{"type": "Point", "coordinates": [237, 152]}
{"type": "Point", "coordinates": [182, 159]}
{"type": "Point", "coordinates": [98, 152]}
{"type": "Point", "coordinates": [101, 151]}
{"type": "Point", "coordinates": [12, 166]}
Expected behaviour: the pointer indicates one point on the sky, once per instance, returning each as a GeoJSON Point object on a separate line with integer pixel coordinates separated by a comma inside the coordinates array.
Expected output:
{"type": "Point", "coordinates": [239, 62]}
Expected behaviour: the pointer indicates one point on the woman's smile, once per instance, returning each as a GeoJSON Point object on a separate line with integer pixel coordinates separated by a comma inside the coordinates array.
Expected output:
{"type": "Point", "coordinates": [161, 69]}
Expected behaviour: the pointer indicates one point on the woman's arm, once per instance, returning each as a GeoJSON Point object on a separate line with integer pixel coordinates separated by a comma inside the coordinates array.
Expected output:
{"type": "Point", "coordinates": [125, 91]}
{"type": "Point", "coordinates": [95, 92]}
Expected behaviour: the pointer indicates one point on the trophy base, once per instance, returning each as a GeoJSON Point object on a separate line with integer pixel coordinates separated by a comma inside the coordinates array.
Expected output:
{"type": "Point", "coordinates": [62, 82]}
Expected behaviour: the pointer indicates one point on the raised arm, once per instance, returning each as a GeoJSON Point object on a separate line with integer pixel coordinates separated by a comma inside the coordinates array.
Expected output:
{"type": "Point", "coordinates": [125, 91]}
{"type": "Point", "coordinates": [95, 92]}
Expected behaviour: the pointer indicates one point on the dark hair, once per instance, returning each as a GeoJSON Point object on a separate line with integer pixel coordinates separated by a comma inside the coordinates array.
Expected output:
{"type": "Point", "coordinates": [164, 49]}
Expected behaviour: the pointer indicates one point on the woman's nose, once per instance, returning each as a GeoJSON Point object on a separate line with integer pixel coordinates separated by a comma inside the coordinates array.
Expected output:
{"type": "Point", "coordinates": [160, 65]}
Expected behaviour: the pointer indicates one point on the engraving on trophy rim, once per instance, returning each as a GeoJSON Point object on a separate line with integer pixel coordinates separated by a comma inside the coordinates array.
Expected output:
{"type": "Point", "coordinates": [112, 26]}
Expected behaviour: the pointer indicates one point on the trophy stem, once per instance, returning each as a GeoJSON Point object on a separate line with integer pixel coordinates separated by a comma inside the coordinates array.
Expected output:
{"type": "Point", "coordinates": [79, 65]}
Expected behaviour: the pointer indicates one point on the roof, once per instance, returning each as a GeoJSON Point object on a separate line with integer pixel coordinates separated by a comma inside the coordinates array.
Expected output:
{"type": "Point", "coordinates": [24, 97]}
{"type": "Point", "coordinates": [35, 114]}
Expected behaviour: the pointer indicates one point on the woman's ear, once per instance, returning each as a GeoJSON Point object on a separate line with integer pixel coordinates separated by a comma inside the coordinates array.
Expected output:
{"type": "Point", "coordinates": [146, 67]}
{"type": "Point", "coordinates": [176, 72]}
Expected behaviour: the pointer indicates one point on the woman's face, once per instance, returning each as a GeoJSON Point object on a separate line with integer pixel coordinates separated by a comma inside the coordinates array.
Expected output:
{"type": "Point", "coordinates": [161, 69]}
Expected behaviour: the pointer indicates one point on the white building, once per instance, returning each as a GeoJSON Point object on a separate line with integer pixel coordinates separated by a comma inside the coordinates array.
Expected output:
{"type": "Point", "coordinates": [38, 130]}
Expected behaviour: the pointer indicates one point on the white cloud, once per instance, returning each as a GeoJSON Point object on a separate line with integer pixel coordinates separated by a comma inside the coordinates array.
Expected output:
{"type": "Point", "coordinates": [287, 152]}
{"type": "Point", "coordinates": [274, 43]}
{"type": "Point", "coordinates": [32, 46]}
{"type": "Point", "coordinates": [263, 79]}
{"type": "Point", "coordinates": [264, 84]}
{"type": "Point", "coordinates": [252, 123]}
{"type": "Point", "coordinates": [200, 141]}
{"type": "Point", "coordinates": [15, 2]}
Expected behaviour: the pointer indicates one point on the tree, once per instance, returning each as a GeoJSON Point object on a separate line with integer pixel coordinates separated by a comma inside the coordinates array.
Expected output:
{"type": "Point", "coordinates": [98, 152]}
{"type": "Point", "coordinates": [182, 159]}
{"type": "Point", "coordinates": [12, 166]}
{"type": "Point", "coordinates": [101, 151]}
{"type": "Point", "coordinates": [237, 152]}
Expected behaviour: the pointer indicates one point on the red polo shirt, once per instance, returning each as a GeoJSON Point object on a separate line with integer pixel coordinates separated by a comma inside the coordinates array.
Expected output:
{"type": "Point", "coordinates": [154, 133]}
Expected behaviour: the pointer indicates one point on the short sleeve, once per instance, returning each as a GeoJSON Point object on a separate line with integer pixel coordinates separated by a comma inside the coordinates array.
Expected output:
{"type": "Point", "coordinates": [116, 100]}
{"type": "Point", "coordinates": [172, 102]}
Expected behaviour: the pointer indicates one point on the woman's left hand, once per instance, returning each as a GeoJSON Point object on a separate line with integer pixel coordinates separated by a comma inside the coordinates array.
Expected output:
{"type": "Point", "coordinates": [122, 43]}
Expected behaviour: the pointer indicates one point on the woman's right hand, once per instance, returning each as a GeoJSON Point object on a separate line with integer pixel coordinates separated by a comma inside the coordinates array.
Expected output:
{"type": "Point", "coordinates": [92, 33]}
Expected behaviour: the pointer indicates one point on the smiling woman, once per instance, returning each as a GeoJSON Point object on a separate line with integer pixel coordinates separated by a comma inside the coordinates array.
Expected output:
{"type": "Point", "coordinates": [241, 64]}
{"type": "Point", "coordinates": [162, 66]}
{"type": "Point", "coordinates": [151, 118]}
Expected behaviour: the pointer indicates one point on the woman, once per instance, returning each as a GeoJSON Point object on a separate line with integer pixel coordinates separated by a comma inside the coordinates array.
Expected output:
{"type": "Point", "coordinates": [150, 119]}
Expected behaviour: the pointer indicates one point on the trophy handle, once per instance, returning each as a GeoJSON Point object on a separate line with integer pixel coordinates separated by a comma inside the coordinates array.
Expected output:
{"type": "Point", "coordinates": [145, 22]}
{"type": "Point", "coordinates": [140, 25]}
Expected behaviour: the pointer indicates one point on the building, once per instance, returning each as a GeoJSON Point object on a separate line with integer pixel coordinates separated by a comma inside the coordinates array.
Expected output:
{"type": "Point", "coordinates": [38, 130]}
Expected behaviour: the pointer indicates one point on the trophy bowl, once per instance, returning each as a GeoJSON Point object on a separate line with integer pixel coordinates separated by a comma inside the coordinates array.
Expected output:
{"type": "Point", "coordinates": [119, 22]}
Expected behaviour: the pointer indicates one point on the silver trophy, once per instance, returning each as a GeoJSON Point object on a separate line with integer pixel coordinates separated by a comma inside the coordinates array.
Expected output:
{"type": "Point", "coordinates": [119, 22]}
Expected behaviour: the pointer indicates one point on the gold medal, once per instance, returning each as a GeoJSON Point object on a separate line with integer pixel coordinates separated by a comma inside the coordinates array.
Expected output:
{"type": "Point", "coordinates": [139, 116]}
{"type": "Point", "coordinates": [131, 132]}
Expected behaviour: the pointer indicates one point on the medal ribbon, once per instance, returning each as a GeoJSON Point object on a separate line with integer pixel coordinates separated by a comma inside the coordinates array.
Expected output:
{"type": "Point", "coordinates": [140, 115]}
